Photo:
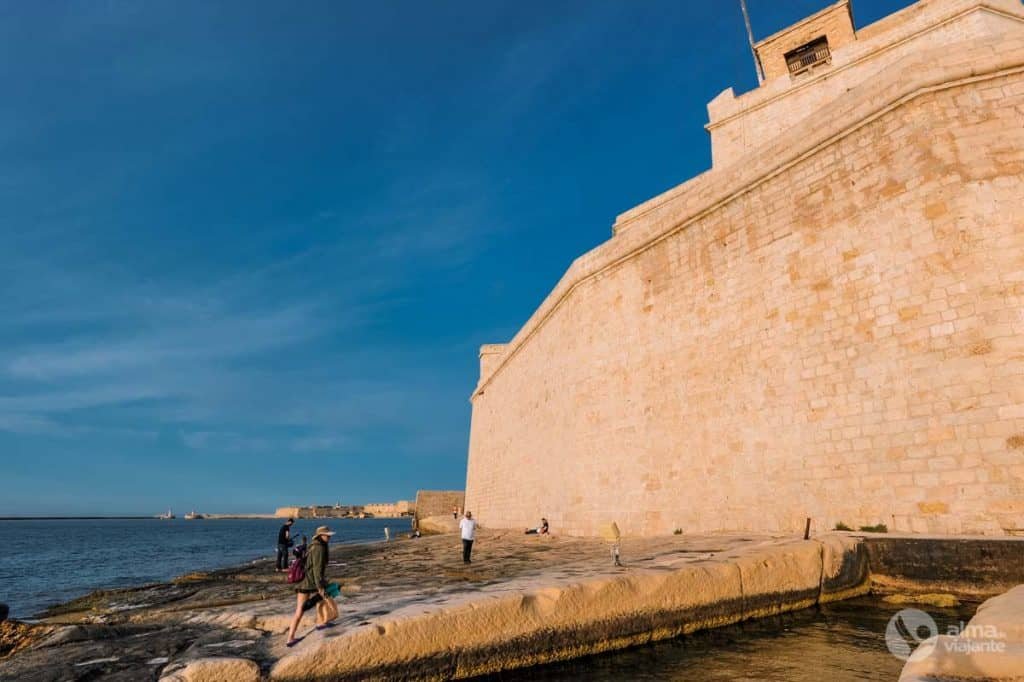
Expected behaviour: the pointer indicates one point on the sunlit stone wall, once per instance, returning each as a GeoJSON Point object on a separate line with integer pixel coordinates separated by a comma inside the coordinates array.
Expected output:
{"type": "Point", "coordinates": [830, 327]}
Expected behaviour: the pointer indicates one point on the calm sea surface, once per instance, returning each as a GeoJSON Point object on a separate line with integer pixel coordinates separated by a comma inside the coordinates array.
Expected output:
{"type": "Point", "coordinates": [45, 562]}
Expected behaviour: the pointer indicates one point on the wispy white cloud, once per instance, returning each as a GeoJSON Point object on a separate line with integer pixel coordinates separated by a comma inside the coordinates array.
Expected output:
{"type": "Point", "coordinates": [319, 443]}
{"type": "Point", "coordinates": [224, 362]}
{"type": "Point", "coordinates": [201, 335]}
{"type": "Point", "coordinates": [15, 422]}
{"type": "Point", "coordinates": [226, 442]}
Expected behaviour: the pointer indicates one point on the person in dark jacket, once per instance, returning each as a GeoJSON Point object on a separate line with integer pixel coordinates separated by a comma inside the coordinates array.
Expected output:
{"type": "Point", "coordinates": [314, 583]}
{"type": "Point", "coordinates": [284, 541]}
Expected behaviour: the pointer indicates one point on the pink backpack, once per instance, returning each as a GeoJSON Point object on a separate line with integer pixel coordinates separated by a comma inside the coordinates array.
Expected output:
{"type": "Point", "coordinates": [297, 572]}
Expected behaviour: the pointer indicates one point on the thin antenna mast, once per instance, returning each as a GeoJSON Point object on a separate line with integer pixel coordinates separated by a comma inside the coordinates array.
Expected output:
{"type": "Point", "coordinates": [750, 39]}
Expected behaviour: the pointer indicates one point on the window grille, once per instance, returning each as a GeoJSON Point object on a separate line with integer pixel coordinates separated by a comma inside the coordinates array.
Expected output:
{"type": "Point", "coordinates": [806, 57]}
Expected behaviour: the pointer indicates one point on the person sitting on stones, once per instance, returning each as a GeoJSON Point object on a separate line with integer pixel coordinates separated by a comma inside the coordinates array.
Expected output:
{"type": "Point", "coordinates": [542, 529]}
{"type": "Point", "coordinates": [313, 585]}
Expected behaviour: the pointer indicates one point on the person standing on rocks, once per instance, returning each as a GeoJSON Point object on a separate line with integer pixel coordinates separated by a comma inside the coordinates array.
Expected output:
{"type": "Point", "coordinates": [468, 527]}
{"type": "Point", "coordinates": [314, 585]}
{"type": "Point", "coordinates": [284, 541]}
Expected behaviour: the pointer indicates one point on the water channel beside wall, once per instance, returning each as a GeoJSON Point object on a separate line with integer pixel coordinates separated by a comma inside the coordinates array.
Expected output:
{"type": "Point", "coordinates": [838, 642]}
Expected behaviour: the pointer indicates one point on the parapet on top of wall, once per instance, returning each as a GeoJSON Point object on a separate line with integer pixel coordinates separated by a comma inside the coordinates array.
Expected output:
{"type": "Point", "coordinates": [743, 127]}
{"type": "Point", "coordinates": [810, 64]}
{"type": "Point", "coordinates": [490, 358]}
{"type": "Point", "coordinates": [879, 76]}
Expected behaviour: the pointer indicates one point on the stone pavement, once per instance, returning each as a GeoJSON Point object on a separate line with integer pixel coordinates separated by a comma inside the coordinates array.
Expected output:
{"type": "Point", "coordinates": [155, 630]}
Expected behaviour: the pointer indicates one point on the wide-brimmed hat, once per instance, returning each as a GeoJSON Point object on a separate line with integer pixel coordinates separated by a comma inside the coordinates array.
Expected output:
{"type": "Point", "coordinates": [323, 530]}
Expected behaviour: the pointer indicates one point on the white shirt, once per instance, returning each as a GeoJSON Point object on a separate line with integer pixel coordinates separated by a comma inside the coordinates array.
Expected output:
{"type": "Point", "coordinates": [468, 527]}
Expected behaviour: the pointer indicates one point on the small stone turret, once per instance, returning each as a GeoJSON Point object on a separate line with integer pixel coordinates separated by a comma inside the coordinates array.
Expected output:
{"type": "Point", "coordinates": [490, 358]}
{"type": "Point", "coordinates": [807, 44]}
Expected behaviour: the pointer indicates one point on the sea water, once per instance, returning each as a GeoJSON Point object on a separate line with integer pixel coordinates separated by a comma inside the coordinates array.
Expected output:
{"type": "Point", "coordinates": [46, 562]}
{"type": "Point", "coordinates": [839, 642]}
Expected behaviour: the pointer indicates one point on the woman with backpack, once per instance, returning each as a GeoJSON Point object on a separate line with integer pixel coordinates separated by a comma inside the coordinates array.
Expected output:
{"type": "Point", "coordinates": [312, 588]}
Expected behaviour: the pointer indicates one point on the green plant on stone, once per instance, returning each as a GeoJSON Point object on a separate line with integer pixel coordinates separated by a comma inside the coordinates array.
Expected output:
{"type": "Point", "coordinates": [842, 526]}
{"type": "Point", "coordinates": [677, 531]}
{"type": "Point", "coordinates": [877, 528]}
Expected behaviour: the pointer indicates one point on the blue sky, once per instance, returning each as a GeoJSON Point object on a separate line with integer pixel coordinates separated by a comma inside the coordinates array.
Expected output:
{"type": "Point", "coordinates": [250, 249]}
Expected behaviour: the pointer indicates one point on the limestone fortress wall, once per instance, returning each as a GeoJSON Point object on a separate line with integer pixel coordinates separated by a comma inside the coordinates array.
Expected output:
{"type": "Point", "coordinates": [829, 323]}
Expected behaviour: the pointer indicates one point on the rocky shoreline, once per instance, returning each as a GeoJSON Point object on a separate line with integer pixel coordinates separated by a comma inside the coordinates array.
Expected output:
{"type": "Point", "coordinates": [411, 610]}
{"type": "Point", "coordinates": [160, 630]}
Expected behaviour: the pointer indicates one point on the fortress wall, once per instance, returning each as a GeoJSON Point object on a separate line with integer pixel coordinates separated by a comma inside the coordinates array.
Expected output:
{"type": "Point", "coordinates": [844, 340]}
{"type": "Point", "coordinates": [740, 124]}
{"type": "Point", "coordinates": [438, 502]}
{"type": "Point", "coordinates": [678, 208]}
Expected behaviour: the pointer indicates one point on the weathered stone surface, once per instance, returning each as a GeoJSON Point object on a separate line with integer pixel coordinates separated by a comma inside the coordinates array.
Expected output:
{"type": "Point", "coordinates": [740, 124]}
{"type": "Point", "coordinates": [90, 632]}
{"type": "Point", "coordinates": [439, 503]}
{"type": "Point", "coordinates": [216, 670]}
{"type": "Point", "coordinates": [15, 636]}
{"type": "Point", "coordinates": [123, 653]}
{"type": "Point", "coordinates": [939, 599]}
{"type": "Point", "coordinates": [140, 633]}
{"type": "Point", "coordinates": [438, 524]}
{"type": "Point", "coordinates": [777, 578]}
{"type": "Point", "coordinates": [231, 642]}
{"type": "Point", "coordinates": [825, 324]}
{"type": "Point", "coordinates": [990, 648]}
{"type": "Point", "coordinates": [845, 567]}
{"type": "Point", "coordinates": [412, 610]}
{"type": "Point", "coordinates": [981, 567]}
{"type": "Point", "coordinates": [833, 22]}
{"type": "Point", "coordinates": [1003, 614]}
{"type": "Point", "coordinates": [524, 625]}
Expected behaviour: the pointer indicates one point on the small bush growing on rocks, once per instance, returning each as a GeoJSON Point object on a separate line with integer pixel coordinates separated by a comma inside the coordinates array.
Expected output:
{"type": "Point", "coordinates": [842, 526]}
{"type": "Point", "coordinates": [878, 528]}
{"type": "Point", "coordinates": [677, 531]}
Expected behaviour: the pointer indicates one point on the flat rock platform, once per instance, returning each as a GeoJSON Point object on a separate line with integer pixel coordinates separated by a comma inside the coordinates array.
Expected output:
{"type": "Point", "coordinates": [412, 610]}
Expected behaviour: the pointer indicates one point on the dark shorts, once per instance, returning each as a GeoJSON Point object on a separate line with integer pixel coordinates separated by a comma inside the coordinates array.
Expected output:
{"type": "Point", "coordinates": [312, 602]}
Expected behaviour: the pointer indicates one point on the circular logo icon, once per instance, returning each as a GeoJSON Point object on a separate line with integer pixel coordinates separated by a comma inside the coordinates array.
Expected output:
{"type": "Point", "coordinates": [907, 632]}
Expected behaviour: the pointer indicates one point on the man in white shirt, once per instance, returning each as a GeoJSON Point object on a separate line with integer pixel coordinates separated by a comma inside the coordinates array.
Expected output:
{"type": "Point", "coordinates": [468, 526]}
